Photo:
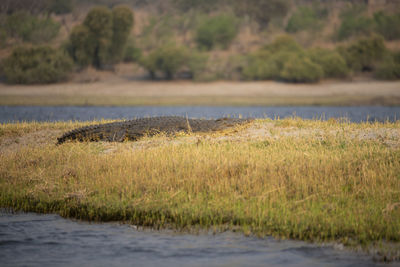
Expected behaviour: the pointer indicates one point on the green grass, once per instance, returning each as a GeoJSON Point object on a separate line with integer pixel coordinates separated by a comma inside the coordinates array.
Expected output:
{"type": "Point", "coordinates": [308, 180]}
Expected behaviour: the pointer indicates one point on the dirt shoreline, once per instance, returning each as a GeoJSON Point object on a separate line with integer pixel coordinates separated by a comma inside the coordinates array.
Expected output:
{"type": "Point", "coordinates": [123, 92]}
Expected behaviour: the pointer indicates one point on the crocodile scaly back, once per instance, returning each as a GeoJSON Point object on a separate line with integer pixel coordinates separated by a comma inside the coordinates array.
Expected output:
{"type": "Point", "coordinates": [134, 129]}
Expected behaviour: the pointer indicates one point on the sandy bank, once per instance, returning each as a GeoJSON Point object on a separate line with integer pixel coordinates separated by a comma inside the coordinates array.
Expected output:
{"type": "Point", "coordinates": [123, 92]}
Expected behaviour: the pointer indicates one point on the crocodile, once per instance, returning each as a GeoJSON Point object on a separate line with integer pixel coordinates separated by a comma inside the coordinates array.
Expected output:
{"type": "Point", "coordinates": [134, 129]}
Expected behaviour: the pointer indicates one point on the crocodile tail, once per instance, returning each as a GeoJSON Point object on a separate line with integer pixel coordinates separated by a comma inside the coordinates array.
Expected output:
{"type": "Point", "coordinates": [75, 134]}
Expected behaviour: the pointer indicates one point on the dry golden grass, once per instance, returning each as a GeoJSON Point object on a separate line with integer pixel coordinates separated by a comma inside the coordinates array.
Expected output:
{"type": "Point", "coordinates": [293, 178]}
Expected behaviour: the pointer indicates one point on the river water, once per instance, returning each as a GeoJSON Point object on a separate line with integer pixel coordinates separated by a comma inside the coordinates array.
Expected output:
{"type": "Point", "coordinates": [28, 239]}
{"type": "Point", "coordinates": [37, 113]}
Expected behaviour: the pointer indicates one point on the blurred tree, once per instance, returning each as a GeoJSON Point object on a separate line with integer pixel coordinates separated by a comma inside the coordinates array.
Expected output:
{"type": "Point", "coordinates": [61, 6]}
{"type": "Point", "coordinates": [43, 64]}
{"type": "Point", "coordinates": [132, 52]}
{"type": "Point", "coordinates": [102, 37]}
{"type": "Point", "coordinates": [217, 31]}
{"type": "Point", "coordinates": [389, 68]}
{"type": "Point", "coordinates": [301, 70]}
{"type": "Point", "coordinates": [99, 23]}
{"type": "Point", "coordinates": [306, 18]}
{"type": "Point", "coordinates": [387, 25]}
{"type": "Point", "coordinates": [332, 63]}
{"type": "Point", "coordinates": [122, 25]}
{"type": "Point", "coordinates": [364, 54]}
{"type": "Point", "coordinates": [283, 43]}
{"type": "Point", "coordinates": [30, 28]}
{"type": "Point", "coordinates": [262, 11]}
{"type": "Point", "coordinates": [80, 47]}
{"type": "Point", "coordinates": [168, 59]}
{"type": "Point", "coordinates": [31, 6]}
{"type": "Point", "coordinates": [268, 62]}
{"type": "Point", "coordinates": [355, 26]}
{"type": "Point", "coordinates": [203, 5]}
{"type": "Point", "coordinates": [354, 21]}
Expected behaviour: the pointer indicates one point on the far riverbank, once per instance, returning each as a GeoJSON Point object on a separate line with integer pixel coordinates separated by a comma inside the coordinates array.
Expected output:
{"type": "Point", "coordinates": [122, 92]}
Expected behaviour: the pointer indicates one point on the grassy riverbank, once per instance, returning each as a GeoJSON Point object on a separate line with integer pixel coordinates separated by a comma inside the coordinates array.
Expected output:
{"type": "Point", "coordinates": [292, 178]}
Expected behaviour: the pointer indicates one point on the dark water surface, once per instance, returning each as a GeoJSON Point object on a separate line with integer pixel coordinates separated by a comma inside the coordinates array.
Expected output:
{"type": "Point", "coordinates": [37, 113]}
{"type": "Point", "coordinates": [28, 239]}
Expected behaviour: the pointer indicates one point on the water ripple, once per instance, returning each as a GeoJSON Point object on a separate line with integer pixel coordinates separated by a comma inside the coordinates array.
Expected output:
{"type": "Point", "coordinates": [28, 239]}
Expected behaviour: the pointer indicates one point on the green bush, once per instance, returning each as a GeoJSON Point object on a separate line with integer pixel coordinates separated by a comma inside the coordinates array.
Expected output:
{"type": "Point", "coordinates": [158, 31]}
{"type": "Point", "coordinates": [300, 69]}
{"type": "Point", "coordinates": [197, 65]}
{"type": "Point", "coordinates": [389, 68]}
{"type": "Point", "coordinates": [168, 59]}
{"type": "Point", "coordinates": [283, 43]}
{"type": "Point", "coordinates": [396, 56]}
{"type": "Point", "coordinates": [262, 11]}
{"type": "Point", "coordinates": [358, 26]}
{"type": "Point", "coordinates": [258, 69]}
{"type": "Point", "coordinates": [364, 54]}
{"type": "Point", "coordinates": [332, 63]}
{"type": "Point", "coordinates": [122, 24]}
{"type": "Point", "coordinates": [3, 38]}
{"type": "Point", "coordinates": [17, 23]}
{"type": "Point", "coordinates": [234, 66]}
{"type": "Point", "coordinates": [284, 59]}
{"type": "Point", "coordinates": [354, 22]}
{"type": "Point", "coordinates": [33, 65]}
{"type": "Point", "coordinates": [80, 46]}
{"type": "Point", "coordinates": [102, 37]}
{"type": "Point", "coordinates": [99, 21]}
{"type": "Point", "coordinates": [132, 53]}
{"type": "Point", "coordinates": [306, 18]}
{"type": "Point", "coordinates": [2, 78]}
{"type": "Point", "coordinates": [217, 31]}
{"type": "Point", "coordinates": [268, 62]}
{"type": "Point", "coordinates": [43, 31]}
{"type": "Point", "coordinates": [203, 5]}
{"type": "Point", "coordinates": [388, 71]}
{"type": "Point", "coordinates": [387, 26]}
{"type": "Point", "coordinates": [31, 6]}
{"type": "Point", "coordinates": [266, 65]}
{"type": "Point", "coordinates": [171, 59]}
{"type": "Point", "coordinates": [30, 28]}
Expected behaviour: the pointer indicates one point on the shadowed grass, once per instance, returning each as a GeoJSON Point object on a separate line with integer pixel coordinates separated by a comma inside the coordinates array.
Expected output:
{"type": "Point", "coordinates": [292, 178]}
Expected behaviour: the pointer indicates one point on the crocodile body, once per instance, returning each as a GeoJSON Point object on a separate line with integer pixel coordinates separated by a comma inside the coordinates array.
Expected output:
{"type": "Point", "coordinates": [134, 129]}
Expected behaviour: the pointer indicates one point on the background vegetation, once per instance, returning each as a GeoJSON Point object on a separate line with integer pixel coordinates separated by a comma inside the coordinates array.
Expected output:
{"type": "Point", "coordinates": [28, 28]}
{"type": "Point", "coordinates": [167, 59]}
{"type": "Point", "coordinates": [101, 38]}
{"type": "Point", "coordinates": [32, 65]}
{"type": "Point", "coordinates": [218, 31]}
{"type": "Point", "coordinates": [306, 18]}
{"type": "Point", "coordinates": [220, 39]}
